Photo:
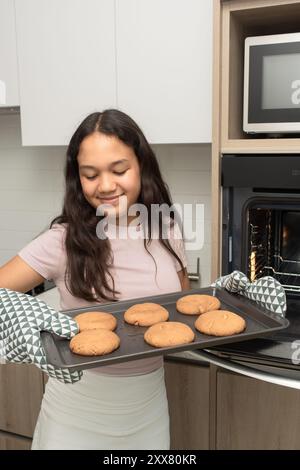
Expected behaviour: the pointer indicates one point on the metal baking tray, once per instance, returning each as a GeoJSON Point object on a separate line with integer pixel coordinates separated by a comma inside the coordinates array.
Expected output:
{"type": "Point", "coordinates": [259, 323]}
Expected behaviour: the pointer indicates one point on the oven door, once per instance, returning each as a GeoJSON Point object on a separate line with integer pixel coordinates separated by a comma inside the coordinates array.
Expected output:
{"type": "Point", "coordinates": [268, 373]}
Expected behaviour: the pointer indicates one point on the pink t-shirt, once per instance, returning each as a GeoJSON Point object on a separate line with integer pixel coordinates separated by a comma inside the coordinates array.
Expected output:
{"type": "Point", "coordinates": [133, 271]}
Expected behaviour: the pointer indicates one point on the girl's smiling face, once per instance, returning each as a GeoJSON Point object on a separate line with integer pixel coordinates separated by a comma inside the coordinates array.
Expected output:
{"type": "Point", "coordinates": [109, 172]}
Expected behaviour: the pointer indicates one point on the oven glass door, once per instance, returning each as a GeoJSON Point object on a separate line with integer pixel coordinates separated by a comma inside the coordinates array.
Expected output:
{"type": "Point", "coordinates": [261, 236]}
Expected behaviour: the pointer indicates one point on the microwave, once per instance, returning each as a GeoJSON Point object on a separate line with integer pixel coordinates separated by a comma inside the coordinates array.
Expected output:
{"type": "Point", "coordinates": [272, 84]}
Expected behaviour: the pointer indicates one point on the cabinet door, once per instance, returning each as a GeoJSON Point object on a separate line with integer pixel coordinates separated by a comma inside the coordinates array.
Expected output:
{"type": "Point", "coordinates": [21, 392]}
{"type": "Point", "coordinates": [66, 52]}
{"type": "Point", "coordinates": [9, 94]}
{"type": "Point", "coordinates": [164, 62]}
{"type": "Point", "coordinates": [188, 396]}
{"type": "Point", "coordinates": [252, 414]}
{"type": "Point", "coordinates": [12, 442]}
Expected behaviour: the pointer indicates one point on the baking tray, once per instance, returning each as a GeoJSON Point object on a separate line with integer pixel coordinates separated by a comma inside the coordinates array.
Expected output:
{"type": "Point", "coordinates": [259, 323]}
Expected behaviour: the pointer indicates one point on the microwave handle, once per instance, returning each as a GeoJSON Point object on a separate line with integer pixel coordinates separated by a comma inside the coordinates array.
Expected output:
{"type": "Point", "coordinates": [204, 356]}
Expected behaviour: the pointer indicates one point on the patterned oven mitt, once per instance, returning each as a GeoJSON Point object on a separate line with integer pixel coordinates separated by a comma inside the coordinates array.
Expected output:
{"type": "Point", "coordinates": [22, 318]}
{"type": "Point", "coordinates": [266, 291]}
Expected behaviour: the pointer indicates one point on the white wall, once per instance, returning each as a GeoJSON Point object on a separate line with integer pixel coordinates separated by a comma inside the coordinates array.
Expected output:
{"type": "Point", "coordinates": [186, 169]}
{"type": "Point", "coordinates": [31, 185]}
{"type": "Point", "coordinates": [31, 188]}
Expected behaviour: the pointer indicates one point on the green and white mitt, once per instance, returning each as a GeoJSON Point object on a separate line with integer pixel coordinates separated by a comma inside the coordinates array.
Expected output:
{"type": "Point", "coordinates": [22, 318]}
{"type": "Point", "coordinates": [266, 291]}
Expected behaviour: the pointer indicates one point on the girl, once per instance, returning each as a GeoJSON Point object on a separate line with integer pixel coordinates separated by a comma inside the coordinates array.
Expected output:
{"type": "Point", "coordinates": [109, 164]}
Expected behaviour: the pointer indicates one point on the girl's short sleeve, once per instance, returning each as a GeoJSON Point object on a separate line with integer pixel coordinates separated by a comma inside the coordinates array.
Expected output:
{"type": "Point", "coordinates": [177, 243]}
{"type": "Point", "coordinates": [46, 253]}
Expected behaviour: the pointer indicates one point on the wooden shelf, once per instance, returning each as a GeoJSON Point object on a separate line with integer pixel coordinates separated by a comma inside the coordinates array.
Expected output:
{"type": "Point", "coordinates": [261, 146]}
{"type": "Point", "coordinates": [234, 20]}
{"type": "Point", "coordinates": [241, 19]}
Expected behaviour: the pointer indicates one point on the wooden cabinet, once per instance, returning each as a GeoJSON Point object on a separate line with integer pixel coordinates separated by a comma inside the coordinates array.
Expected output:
{"type": "Point", "coordinates": [67, 67]}
{"type": "Point", "coordinates": [164, 62]}
{"type": "Point", "coordinates": [237, 20]}
{"type": "Point", "coordinates": [252, 414]}
{"type": "Point", "coordinates": [12, 442]}
{"type": "Point", "coordinates": [188, 396]}
{"type": "Point", "coordinates": [21, 392]}
{"type": "Point", "coordinates": [234, 20]}
{"type": "Point", "coordinates": [9, 94]}
{"type": "Point", "coordinates": [210, 408]}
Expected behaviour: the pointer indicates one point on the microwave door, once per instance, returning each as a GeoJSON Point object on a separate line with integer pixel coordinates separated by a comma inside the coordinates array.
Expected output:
{"type": "Point", "coordinates": [272, 84]}
{"type": "Point", "coordinates": [278, 376]}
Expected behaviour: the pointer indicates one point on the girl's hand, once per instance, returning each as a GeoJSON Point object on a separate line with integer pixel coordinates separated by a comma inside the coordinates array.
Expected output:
{"type": "Point", "coordinates": [22, 318]}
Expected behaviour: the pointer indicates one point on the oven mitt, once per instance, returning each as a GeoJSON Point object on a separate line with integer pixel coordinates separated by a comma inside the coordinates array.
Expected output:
{"type": "Point", "coordinates": [22, 318]}
{"type": "Point", "coordinates": [266, 291]}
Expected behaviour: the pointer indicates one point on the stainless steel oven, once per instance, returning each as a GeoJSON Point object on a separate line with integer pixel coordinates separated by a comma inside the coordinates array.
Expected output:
{"type": "Point", "coordinates": [261, 236]}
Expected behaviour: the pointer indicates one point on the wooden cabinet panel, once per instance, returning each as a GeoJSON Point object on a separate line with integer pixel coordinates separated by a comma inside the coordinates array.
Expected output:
{"type": "Point", "coordinates": [188, 396]}
{"type": "Point", "coordinates": [21, 392]}
{"type": "Point", "coordinates": [252, 414]}
{"type": "Point", "coordinates": [12, 442]}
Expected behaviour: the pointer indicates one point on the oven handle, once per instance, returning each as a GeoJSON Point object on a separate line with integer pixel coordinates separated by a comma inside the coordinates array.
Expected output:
{"type": "Point", "coordinates": [202, 355]}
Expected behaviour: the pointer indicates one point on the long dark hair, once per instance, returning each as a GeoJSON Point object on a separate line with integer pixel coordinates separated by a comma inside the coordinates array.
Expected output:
{"type": "Point", "coordinates": [88, 257]}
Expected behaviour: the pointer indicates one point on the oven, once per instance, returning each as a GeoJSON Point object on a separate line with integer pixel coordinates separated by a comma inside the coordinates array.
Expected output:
{"type": "Point", "coordinates": [261, 236]}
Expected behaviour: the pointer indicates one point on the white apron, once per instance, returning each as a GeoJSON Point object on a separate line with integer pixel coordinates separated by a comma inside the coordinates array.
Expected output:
{"type": "Point", "coordinates": [104, 412]}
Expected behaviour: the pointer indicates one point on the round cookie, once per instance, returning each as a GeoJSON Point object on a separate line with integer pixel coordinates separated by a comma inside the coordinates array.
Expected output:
{"type": "Point", "coordinates": [170, 333]}
{"type": "Point", "coordinates": [95, 320]}
{"type": "Point", "coordinates": [146, 314]}
{"type": "Point", "coordinates": [94, 342]}
{"type": "Point", "coordinates": [197, 303]}
{"type": "Point", "coordinates": [220, 323]}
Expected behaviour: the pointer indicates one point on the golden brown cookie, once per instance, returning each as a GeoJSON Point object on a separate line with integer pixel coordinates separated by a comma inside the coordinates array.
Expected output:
{"type": "Point", "coordinates": [94, 342]}
{"type": "Point", "coordinates": [169, 334]}
{"type": "Point", "coordinates": [95, 320]}
{"type": "Point", "coordinates": [146, 314]}
{"type": "Point", "coordinates": [197, 303]}
{"type": "Point", "coordinates": [220, 323]}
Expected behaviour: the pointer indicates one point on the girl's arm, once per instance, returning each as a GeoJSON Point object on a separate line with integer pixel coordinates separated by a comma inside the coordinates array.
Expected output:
{"type": "Point", "coordinates": [184, 280]}
{"type": "Point", "coordinates": [19, 276]}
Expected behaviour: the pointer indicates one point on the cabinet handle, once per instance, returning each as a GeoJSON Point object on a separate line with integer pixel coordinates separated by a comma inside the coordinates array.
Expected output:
{"type": "Point", "coordinates": [229, 249]}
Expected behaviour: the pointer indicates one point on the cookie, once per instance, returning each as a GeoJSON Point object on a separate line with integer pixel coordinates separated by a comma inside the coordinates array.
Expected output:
{"type": "Point", "coordinates": [94, 320]}
{"type": "Point", "coordinates": [146, 314]}
{"type": "Point", "coordinates": [196, 303]}
{"type": "Point", "coordinates": [220, 323]}
{"type": "Point", "coordinates": [169, 334]}
{"type": "Point", "coordinates": [94, 342]}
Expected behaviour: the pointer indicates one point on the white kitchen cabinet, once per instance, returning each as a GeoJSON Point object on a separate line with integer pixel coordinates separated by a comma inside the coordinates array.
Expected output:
{"type": "Point", "coordinates": [151, 59]}
{"type": "Point", "coordinates": [164, 63]}
{"type": "Point", "coordinates": [9, 93]}
{"type": "Point", "coordinates": [66, 51]}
